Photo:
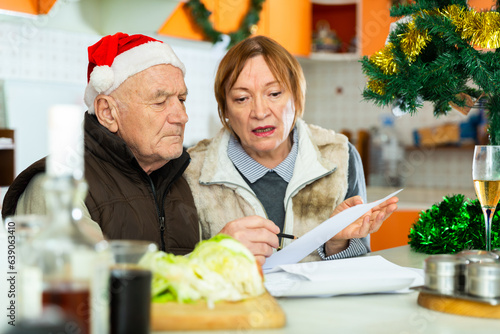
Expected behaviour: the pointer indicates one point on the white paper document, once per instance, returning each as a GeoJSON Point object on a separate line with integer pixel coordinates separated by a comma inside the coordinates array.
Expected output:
{"type": "Point", "coordinates": [310, 241]}
{"type": "Point", "coordinates": [366, 274]}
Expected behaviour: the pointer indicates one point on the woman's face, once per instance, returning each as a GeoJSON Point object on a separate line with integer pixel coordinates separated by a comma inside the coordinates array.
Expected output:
{"type": "Point", "coordinates": [261, 112]}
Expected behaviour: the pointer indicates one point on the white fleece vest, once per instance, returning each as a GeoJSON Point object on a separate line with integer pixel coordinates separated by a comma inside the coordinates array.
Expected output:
{"type": "Point", "coordinates": [318, 185]}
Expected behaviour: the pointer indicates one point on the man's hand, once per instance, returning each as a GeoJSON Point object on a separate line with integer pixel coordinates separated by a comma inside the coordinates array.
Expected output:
{"type": "Point", "coordinates": [258, 234]}
{"type": "Point", "coordinates": [363, 226]}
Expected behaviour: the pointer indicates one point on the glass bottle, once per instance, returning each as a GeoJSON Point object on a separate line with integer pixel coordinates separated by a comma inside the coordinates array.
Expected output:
{"type": "Point", "coordinates": [67, 257]}
{"type": "Point", "coordinates": [21, 229]}
{"type": "Point", "coordinates": [386, 154]}
{"type": "Point", "coordinates": [392, 153]}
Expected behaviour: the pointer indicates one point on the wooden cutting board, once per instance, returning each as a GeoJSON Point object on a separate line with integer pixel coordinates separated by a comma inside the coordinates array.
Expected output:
{"type": "Point", "coordinates": [259, 312]}
{"type": "Point", "coordinates": [458, 306]}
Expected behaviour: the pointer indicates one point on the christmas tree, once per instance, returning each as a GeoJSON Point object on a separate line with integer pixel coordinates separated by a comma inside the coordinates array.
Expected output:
{"type": "Point", "coordinates": [443, 52]}
{"type": "Point", "coordinates": [446, 53]}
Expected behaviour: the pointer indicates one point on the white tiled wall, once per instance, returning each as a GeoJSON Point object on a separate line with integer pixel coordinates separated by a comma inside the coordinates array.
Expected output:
{"type": "Point", "coordinates": [334, 100]}
{"type": "Point", "coordinates": [201, 105]}
{"type": "Point", "coordinates": [31, 53]}
{"type": "Point", "coordinates": [334, 97]}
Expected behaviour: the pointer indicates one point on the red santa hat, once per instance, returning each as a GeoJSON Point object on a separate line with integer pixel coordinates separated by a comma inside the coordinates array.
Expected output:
{"type": "Point", "coordinates": [115, 58]}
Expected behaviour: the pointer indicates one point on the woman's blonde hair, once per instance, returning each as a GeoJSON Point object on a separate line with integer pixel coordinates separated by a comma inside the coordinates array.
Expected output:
{"type": "Point", "coordinates": [285, 68]}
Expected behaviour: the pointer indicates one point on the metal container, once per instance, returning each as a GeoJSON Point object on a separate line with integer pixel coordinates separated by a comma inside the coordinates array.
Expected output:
{"type": "Point", "coordinates": [445, 273]}
{"type": "Point", "coordinates": [478, 256]}
{"type": "Point", "coordinates": [483, 279]}
{"type": "Point", "coordinates": [496, 251]}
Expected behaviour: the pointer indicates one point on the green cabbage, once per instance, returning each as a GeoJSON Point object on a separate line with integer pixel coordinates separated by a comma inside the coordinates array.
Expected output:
{"type": "Point", "coordinates": [220, 268]}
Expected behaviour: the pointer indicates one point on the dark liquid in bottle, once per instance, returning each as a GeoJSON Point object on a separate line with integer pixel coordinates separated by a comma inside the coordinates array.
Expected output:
{"type": "Point", "coordinates": [73, 301]}
{"type": "Point", "coordinates": [130, 298]}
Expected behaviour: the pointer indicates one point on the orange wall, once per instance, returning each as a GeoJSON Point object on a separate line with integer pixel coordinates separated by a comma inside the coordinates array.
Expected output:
{"type": "Point", "coordinates": [481, 4]}
{"type": "Point", "coordinates": [23, 6]}
{"type": "Point", "coordinates": [34, 7]}
{"type": "Point", "coordinates": [394, 231]}
{"type": "Point", "coordinates": [375, 20]}
{"type": "Point", "coordinates": [290, 25]}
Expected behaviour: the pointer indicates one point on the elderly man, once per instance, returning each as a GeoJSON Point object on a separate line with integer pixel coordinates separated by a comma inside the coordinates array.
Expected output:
{"type": "Point", "coordinates": [134, 158]}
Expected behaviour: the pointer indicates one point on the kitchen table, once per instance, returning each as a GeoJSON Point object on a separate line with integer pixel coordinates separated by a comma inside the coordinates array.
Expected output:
{"type": "Point", "coordinates": [372, 313]}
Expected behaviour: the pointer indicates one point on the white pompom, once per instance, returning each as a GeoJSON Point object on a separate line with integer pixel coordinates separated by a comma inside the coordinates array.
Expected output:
{"type": "Point", "coordinates": [102, 78]}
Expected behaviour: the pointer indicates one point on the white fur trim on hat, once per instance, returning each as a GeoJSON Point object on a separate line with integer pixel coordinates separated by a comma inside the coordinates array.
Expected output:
{"type": "Point", "coordinates": [102, 78]}
{"type": "Point", "coordinates": [125, 65]}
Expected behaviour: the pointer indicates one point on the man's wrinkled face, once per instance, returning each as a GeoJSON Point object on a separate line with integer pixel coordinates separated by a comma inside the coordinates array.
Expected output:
{"type": "Point", "coordinates": [151, 115]}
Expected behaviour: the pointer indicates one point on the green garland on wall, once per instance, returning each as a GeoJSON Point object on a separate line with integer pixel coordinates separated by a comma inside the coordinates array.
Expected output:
{"type": "Point", "coordinates": [451, 226]}
{"type": "Point", "coordinates": [201, 15]}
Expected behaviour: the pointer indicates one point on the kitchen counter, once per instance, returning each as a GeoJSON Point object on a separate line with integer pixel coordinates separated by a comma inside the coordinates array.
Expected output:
{"type": "Point", "coordinates": [418, 198]}
{"type": "Point", "coordinates": [372, 313]}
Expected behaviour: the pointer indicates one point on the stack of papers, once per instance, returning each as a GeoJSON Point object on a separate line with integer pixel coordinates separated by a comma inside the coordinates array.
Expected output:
{"type": "Point", "coordinates": [313, 239]}
{"type": "Point", "coordinates": [367, 274]}
{"type": "Point", "coordinates": [284, 276]}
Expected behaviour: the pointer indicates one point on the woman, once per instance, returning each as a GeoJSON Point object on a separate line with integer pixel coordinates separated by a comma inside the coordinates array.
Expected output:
{"type": "Point", "coordinates": [267, 162]}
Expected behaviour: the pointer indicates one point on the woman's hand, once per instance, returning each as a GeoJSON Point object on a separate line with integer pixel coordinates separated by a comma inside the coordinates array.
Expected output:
{"type": "Point", "coordinates": [370, 222]}
{"type": "Point", "coordinates": [258, 234]}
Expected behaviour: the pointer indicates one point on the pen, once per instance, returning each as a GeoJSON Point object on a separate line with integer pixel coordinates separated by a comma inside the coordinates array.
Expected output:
{"type": "Point", "coordinates": [288, 236]}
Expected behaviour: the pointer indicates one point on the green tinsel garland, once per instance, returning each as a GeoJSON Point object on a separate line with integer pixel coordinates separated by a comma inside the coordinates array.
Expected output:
{"type": "Point", "coordinates": [201, 15]}
{"type": "Point", "coordinates": [451, 226]}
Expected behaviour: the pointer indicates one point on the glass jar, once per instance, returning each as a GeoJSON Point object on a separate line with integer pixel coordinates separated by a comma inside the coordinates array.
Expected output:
{"type": "Point", "coordinates": [21, 229]}
{"type": "Point", "coordinates": [64, 255]}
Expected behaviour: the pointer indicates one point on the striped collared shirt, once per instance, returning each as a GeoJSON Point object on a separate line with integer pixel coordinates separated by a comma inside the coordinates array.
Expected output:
{"type": "Point", "coordinates": [253, 170]}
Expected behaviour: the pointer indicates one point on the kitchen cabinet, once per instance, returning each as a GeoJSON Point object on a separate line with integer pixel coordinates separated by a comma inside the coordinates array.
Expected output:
{"type": "Point", "coordinates": [291, 23]}
{"type": "Point", "coordinates": [288, 22]}
{"type": "Point", "coordinates": [481, 4]}
{"type": "Point", "coordinates": [367, 21]}
{"type": "Point", "coordinates": [374, 26]}
{"type": "Point", "coordinates": [395, 230]}
{"type": "Point", "coordinates": [27, 6]}
{"type": "Point", "coordinates": [372, 23]}
{"type": "Point", "coordinates": [335, 29]}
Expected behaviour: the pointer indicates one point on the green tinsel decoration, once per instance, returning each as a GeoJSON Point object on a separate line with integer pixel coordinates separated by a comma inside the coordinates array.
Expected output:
{"type": "Point", "coordinates": [201, 15]}
{"type": "Point", "coordinates": [433, 58]}
{"type": "Point", "coordinates": [453, 225]}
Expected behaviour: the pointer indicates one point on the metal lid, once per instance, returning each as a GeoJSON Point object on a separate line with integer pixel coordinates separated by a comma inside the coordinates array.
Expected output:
{"type": "Point", "coordinates": [483, 279]}
{"type": "Point", "coordinates": [485, 270]}
{"type": "Point", "coordinates": [481, 256]}
{"type": "Point", "coordinates": [445, 264]}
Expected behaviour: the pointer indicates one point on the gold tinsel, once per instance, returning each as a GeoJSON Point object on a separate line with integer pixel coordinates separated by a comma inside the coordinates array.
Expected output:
{"type": "Point", "coordinates": [481, 28]}
{"type": "Point", "coordinates": [484, 31]}
{"type": "Point", "coordinates": [413, 41]}
{"type": "Point", "coordinates": [457, 16]}
{"type": "Point", "coordinates": [384, 59]}
{"type": "Point", "coordinates": [376, 86]}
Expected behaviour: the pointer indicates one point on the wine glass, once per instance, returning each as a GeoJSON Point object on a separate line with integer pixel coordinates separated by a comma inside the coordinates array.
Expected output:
{"type": "Point", "coordinates": [486, 177]}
